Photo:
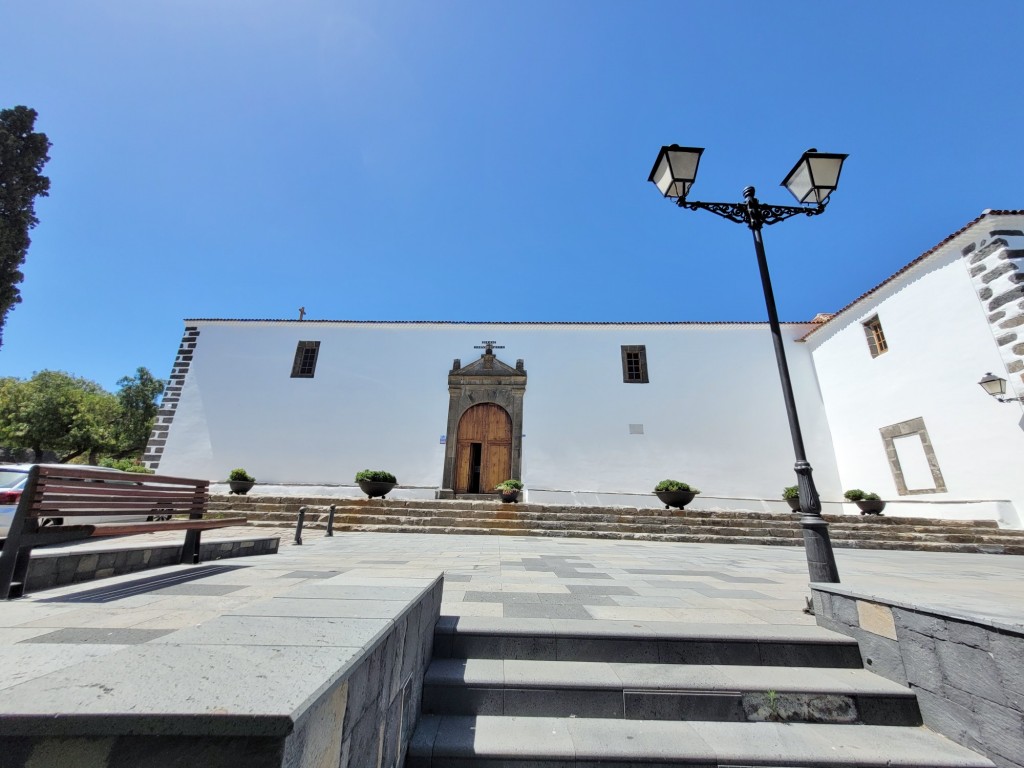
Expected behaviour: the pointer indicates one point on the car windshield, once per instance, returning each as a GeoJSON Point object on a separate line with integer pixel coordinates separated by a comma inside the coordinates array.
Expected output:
{"type": "Point", "coordinates": [12, 478]}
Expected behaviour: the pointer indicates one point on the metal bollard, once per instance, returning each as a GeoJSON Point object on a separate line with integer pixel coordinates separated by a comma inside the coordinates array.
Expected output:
{"type": "Point", "coordinates": [298, 526]}
{"type": "Point", "coordinates": [330, 522]}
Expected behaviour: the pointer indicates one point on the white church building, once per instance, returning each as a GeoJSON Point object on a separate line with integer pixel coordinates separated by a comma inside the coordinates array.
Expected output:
{"type": "Point", "coordinates": [598, 413]}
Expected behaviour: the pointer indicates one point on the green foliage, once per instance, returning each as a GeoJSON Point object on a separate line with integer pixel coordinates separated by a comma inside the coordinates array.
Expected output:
{"type": "Point", "coordinates": [137, 409]}
{"type": "Point", "coordinates": [56, 411]}
{"type": "Point", "coordinates": [856, 494]}
{"type": "Point", "coordinates": [674, 485]}
{"type": "Point", "coordinates": [73, 416]}
{"type": "Point", "coordinates": [23, 153]}
{"type": "Point", "coordinates": [375, 476]}
{"type": "Point", "coordinates": [509, 485]}
{"type": "Point", "coordinates": [791, 492]}
{"type": "Point", "coordinates": [240, 475]}
{"type": "Point", "coordinates": [126, 465]}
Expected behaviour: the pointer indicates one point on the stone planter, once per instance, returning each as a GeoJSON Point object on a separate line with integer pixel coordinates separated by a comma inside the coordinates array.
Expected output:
{"type": "Point", "coordinates": [241, 487]}
{"type": "Point", "coordinates": [678, 499]}
{"type": "Point", "coordinates": [794, 504]}
{"type": "Point", "coordinates": [870, 506]}
{"type": "Point", "coordinates": [510, 497]}
{"type": "Point", "coordinates": [376, 488]}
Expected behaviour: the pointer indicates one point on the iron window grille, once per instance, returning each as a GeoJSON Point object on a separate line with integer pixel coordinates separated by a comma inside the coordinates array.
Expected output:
{"type": "Point", "coordinates": [304, 365]}
{"type": "Point", "coordinates": [634, 364]}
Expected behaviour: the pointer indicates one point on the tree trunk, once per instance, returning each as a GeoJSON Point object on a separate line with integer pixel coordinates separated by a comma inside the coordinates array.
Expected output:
{"type": "Point", "coordinates": [71, 456]}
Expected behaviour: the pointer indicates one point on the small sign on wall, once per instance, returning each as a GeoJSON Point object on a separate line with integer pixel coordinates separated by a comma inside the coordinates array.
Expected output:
{"type": "Point", "coordinates": [444, 439]}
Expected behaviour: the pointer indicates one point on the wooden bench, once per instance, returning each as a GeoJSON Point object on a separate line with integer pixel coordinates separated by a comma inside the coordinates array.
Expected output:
{"type": "Point", "coordinates": [75, 491]}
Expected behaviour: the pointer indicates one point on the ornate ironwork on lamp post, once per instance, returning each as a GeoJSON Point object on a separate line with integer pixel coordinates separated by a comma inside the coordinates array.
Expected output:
{"type": "Point", "coordinates": [811, 181]}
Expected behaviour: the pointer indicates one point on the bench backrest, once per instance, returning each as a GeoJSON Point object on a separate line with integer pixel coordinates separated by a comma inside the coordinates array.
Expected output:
{"type": "Point", "coordinates": [67, 491]}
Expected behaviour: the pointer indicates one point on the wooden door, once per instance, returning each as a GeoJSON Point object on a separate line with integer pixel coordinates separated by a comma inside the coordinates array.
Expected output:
{"type": "Point", "coordinates": [490, 427]}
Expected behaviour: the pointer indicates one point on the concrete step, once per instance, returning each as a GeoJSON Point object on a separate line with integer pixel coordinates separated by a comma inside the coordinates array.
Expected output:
{"type": "Point", "coordinates": [736, 693]}
{"type": "Point", "coordinates": [909, 543]}
{"type": "Point", "coordinates": [465, 741]}
{"type": "Point", "coordinates": [291, 505]}
{"type": "Point", "coordinates": [640, 642]}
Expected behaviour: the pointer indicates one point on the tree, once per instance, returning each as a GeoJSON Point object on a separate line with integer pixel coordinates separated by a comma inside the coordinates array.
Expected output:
{"type": "Point", "coordinates": [137, 409]}
{"type": "Point", "coordinates": [23, 153]}
{"type": "Point", "coordinates": [58, 412]}
{"type": "Point", "coordinates": [55, 411]}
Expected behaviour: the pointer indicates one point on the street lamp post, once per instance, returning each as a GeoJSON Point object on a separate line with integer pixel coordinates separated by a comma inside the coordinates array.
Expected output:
{"type": "Point", "coordinates": [811, 181]}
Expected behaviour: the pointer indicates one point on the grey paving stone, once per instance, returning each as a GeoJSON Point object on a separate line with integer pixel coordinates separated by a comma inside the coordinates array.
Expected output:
{"type": "Point", "coordinates": [506, 598]}
{"type": "Point", "coordinates": [341, 633]}
{"type": "Point", "coordinates": [212, 689]}
{"type": "Point", "coordinates": [635, 740]}
{"type": "Point", "coordinates": [323, 591]}
{"type": "Point", "coordinates": [198, 589]}
{"type": "Point", "coordinates": [97, 636]}
{"type": "Point", "coordinates": [543, 611]}
{"type": "Point", "coordinates": [300, 607]}
{"type": "Point", "coordinates": [600, 589]}
{"type": "Point", "coordinates": [550, 674]}
{"type": "Point", "coordinates": [313, 574]}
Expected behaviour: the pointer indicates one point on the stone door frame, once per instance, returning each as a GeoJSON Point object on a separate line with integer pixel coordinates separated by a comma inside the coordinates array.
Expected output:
{"type": "Point", "coordinates": [483, 381]}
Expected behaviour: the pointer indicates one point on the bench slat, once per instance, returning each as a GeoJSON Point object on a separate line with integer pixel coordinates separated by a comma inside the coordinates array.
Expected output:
{"type": "Point", "coordinates": [73, 471]}
{"type": "Point", "coordinates": [125, 529]}
{"type": "Point", "coordinates": [76, 506]}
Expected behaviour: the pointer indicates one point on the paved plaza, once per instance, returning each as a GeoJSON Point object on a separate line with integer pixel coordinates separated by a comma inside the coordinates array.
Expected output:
{"type": "Point", "coordinates": [542, 578]}
{"type": "Point", "coordinates": [280, 642]}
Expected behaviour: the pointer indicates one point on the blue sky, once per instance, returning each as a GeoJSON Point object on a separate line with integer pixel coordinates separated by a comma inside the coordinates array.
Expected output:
{"type": "Point", "coordinates": [477, 160]}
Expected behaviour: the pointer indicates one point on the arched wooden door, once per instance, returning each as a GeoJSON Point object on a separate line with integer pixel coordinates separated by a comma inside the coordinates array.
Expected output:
{"type": "Point", "coordinates": [483, 456]}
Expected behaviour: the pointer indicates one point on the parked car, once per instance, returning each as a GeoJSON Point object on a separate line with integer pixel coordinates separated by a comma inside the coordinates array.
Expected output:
{"type": "Point", "coordinates": [12, 482]}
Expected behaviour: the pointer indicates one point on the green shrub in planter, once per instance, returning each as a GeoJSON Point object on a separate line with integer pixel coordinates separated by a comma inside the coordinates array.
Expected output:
{"type": "Point", "coordinates": [791, 492]}
{"type": "Point", "coordinates": [674, 485]}
{"type": "Point", "coordinates": [509, 485]}
{"type": "Point", "coordinates": [856, 494]}
{"type": "Point", "coordinates": [241, 476]}
{"type": "Point", "coordinates": [375, 476]}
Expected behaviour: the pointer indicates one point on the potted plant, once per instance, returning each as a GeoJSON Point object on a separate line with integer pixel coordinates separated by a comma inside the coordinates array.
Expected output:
{"type": "Point", "coordinates": [376, 482]}
{"type": "Point", "coordinates": [509, 490]}
{"type": "Point", "coordinates": [674, 493]}
{"type": "Point", "coordinates": [867, 503]}
{"type": "Point", "coordinates": [241, 482]}
{"type": "Point", "coordinates": [791, 494]}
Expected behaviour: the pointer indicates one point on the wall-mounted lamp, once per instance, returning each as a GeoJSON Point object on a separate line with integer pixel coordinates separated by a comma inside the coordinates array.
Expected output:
{"type": "Point", "coordinates": [996, 386]}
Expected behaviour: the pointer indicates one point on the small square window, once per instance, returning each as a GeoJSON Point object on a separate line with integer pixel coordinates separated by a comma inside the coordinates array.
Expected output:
{"type": "Point", "coordinates": [304, 365]}
{"type": "Point", "coordinates": [876, 338]}
{"type": "Point", "coordinates": [634, 364]}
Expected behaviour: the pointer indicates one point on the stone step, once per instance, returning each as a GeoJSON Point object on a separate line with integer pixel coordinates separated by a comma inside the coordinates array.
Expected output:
{"type": "Point", "coordinates": [643, 642]}
{"type": "Point", "coordinates": [291, 505]}
{"type": "Point", "coordinates": [737, 693]}
{"type": "Point", "coordinates": [637, 517]}
{"type": "Point", "coordinates": [918, 543]}
{"type": "Point", "coordinates": [653, 525]}
{"type": "Point", "coordinates": [458, 740]}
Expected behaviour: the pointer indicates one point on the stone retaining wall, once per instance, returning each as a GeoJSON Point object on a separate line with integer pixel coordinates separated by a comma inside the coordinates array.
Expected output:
{"type": "Point", "coordinates": [55, 569]}
{"type": "Point", "coordinates": [968, 673]}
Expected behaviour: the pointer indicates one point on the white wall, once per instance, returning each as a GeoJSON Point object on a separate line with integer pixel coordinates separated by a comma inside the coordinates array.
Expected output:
{"type": "Point", "coordinates": [712, 412]}
{"type": "Point", "coordinates": [940, 344]}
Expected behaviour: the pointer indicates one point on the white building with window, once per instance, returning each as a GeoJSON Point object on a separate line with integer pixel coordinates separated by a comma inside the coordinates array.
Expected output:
{"type": "Point", "coordinates": [600, 412]}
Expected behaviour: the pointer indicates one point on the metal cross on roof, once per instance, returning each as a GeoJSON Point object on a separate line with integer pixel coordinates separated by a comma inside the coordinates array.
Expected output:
{"type": "Point", "coordinates": [489, 347]}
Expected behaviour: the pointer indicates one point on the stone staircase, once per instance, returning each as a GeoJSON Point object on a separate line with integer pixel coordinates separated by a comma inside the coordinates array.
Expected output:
{"type": "Point", "coordinates": [698, 526]}
{"type": "Point", "coordinates": [507, 692]}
